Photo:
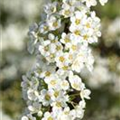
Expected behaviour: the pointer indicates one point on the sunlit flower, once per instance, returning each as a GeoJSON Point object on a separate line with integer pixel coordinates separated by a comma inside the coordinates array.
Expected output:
{"type": "Point", "coordinates": [61, 45]}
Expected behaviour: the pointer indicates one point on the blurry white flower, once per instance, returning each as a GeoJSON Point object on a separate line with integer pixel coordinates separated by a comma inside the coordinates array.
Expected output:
{"type": "Point", "coordinates": [50, 8]}
{"type": "Point", "coordinates": [15, 35]}
{"type": "Point", "coordinates": [44, 28]}
{"type": "Point", "coordinates": [85, 93]}
{"type": "Point", "coordinates": [35, 107]}
{"type": "Point", "coordinates": [25, 118]}
{"type": "Point", "coordinates": [32, 94]}
{"type": "Point", "coordinates": [90, 3]}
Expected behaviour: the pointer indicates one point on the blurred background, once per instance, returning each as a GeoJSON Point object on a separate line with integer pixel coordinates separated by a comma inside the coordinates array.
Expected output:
{"type": "Point", "coordinates": [15, 18]}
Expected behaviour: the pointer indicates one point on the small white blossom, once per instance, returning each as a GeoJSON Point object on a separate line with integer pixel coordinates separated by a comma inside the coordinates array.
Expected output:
{"type": "Point", "coordinates": [33, 38]}
{"type": "Point", "coordinates": [29, 116]}
{"type": "Point", "coordinates": [90, 3]}
{"type": "Point", "coordinates": [67, 10]}
{"type": "Point", "coordinates": [53, 23]}
{"type": "Point", "coordinates": [76, 82]}
{"type": "Point", "coordinates": [52, 81]}
{"type": "Point", "coordinates": [79, 18]}
{"type": "Point", "coordinates": [64, 85]}
{"type": "Point", "coordinates": [45, 97]}
{"type": "Point", "coordinates": [50, 8]}
{"type": "Point", "coordinates": [70, 2]}
{"type": "Point", "coordinates": [85, 94]}
{"type": "Point", "coordinates": [43, 28]}
{"type": "Point", "coordinates": [65, 39]}
{"type": "Point", "coordinates": [102, 2]}
{"type": "Point", "coordinates": [34, 107]}
{"type": "Point", "coordinates": [61, 60]}
{"type": "Point", "coordinates": [32, 94]}
{"type": "Point", "coordinates": [25, 118]}
{"type": "Point", "coordinates": [48, 116]}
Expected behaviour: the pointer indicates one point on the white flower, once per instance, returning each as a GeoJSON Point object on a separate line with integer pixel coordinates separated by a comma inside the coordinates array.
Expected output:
{"type": "Point", "coordinates": [48, 116]}
{"type": "Point", "coordinates": [77, 65]}
{"type": "Point", "coordinates": [32, 30]}
{"type": "Point", "coordinates": [64, 85]}
{"type": "Point", "coordinates": [49, 48]}
{"type": "Point", "coordinates": [79, 112]}
{"type": "Point", "coordinates": [83, 59]}
{"type": "Point", "coordinates": [76, 82]}
{"type": "Point", "coordinates": [62, 73]}
{"type": "Point", "coordinates": [44, 48]}
{"type": "Point", "coordinates": [73, 49]}
{"type": "Point", "coordinates": [43, 28]}
{"type": "Point", "coordinates": [65, 39]}
{"type": "Point", "coordinates": [52, 81]}
{"type": "Point", "coordinates": [82, 104]}
{"type": "Point", "coordinates": [103, 2]}
{"type": "Point", "coordinates": [76, 30]}
{"type": "Point", "coordinates": [42, 69]}
{"type": "Point", "coordinates": [64, 114]}
{"type": "Point", "coordinates": [59, 104]}
{"type": "Point", "coordinates": [61, 60]}
{"type": "Point", "coordinates": [90, 3]}
{"type": "Point", "coordinates": [95, 25]}
{"type": "Point", "coordinates": [34, 107]}
{"type": "Point", "coordinates": [32, 94]}
{"type": "Point", "coordinates": [53, 23]}
{"type": "Point", "coordinates": [67, 10]}
{"type": "Point", "coordinates": [25, 83]}
{"type": "Point", "coordinates": [40, 113]}
{"type": "Point", "coordinates": [57, 94]}
{"type": "Point", "coordinates": [25, 118]}
{"type": "Point", "coordinates": [28, 117]}
{"type": "Point", "coordinates": [45, 97]}
{"type": "Point", "coordinates": [33, 38]}
{"type": "Point", "coordinates": [70, 2]}
{"type": "Point", "coordinates": [85, 94]}
{"type": "Point", "coordinates": [50, 8]}
{"type": "Point", "coordinates": [78, 18]}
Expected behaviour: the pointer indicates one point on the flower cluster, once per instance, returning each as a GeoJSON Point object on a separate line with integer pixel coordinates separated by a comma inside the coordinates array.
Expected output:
{"type": "Point", "coordinates": [53, 89]}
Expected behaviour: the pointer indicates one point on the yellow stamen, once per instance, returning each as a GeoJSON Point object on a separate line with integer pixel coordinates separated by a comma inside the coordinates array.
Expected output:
{"type": "Point", "coordinates": [55, 24]}
{"type": "Point", "coordinates": [67, 12]}
{"type": "Point", "coordinates": [53, 82]}
{"type": "Point", "coordinates": [77, 21]}
{"type": "Point", "coordinates": [47, 97]}
{"type": "Point", "coordinates": [77, 32]}
{"type": "Point", "coordinates": [62, 59]}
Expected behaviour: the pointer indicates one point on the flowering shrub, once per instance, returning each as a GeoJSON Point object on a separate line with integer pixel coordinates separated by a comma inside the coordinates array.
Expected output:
{"type": "Point", "coordinates": [53, 89]}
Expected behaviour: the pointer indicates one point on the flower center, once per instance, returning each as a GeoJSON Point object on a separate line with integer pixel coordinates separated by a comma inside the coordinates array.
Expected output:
{"type": "Point", "coordinates": [55, 24]}
{"type": "Point", "coordinates": [77, 32]}
{"type": "Point", "coordinates": [47, 97]}
{"type": "Point", "coordinates": [67, 12]}
{"type": "Point", "coordinates": [53, 82]}
{"type": "Point", "coordinates": [62, 59]}
{"type": "Point", "coordinates": [50, 118]}
{"type": "Point", "coordinates": [77, 21]}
